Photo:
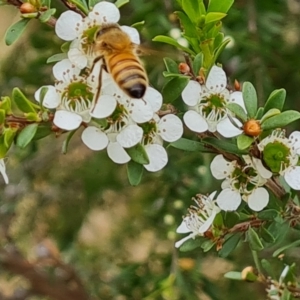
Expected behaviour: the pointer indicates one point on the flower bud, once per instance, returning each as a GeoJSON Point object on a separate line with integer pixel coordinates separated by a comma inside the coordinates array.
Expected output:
{"type": "Point", "coordinates": [27, 8]}
{"type": "Point", "coordinates": [249, 274]}
{"type": "Point", "coordinates": [237, 85]}
{"type": "Point", "coordinates": [184, 68]}
{"type": "Point", "coordinates": [252, 127]}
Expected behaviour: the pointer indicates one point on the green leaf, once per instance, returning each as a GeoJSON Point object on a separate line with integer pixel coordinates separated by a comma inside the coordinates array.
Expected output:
{"type": "Point", "coordinates": [224, 145]}
{"type": "Point", "coordinates": [120, 3]}
{"type": "Point", "coordinates": [268, 214]}
{"type": "Point", "coordinates": [207, 245]}
{"type": "Point", "coordinates": [231, 218]}
{"type": "Point", "coordinates": [197, 63]}
{"type": "Point", "coordinates": [42, 131]}
{"type": "Point", "coordinates": [250, 98]}
{"type": "Point", "coordinates": [5, 104]}
{"type": "Point", "coordinates": [15, 31]}
{"type": "Point", "coordinates": [275, 100]}
{"type": "Point", "coordinates": [292, 245]}
{"type": "Point", "coordinates": [191, 8]}
{"type": "Point", "coordinates": [2, 117]}
{"type": "Point", "coordinates": [238, 111]}
{"type": "Point", "coordinates": [259, 113]}
{"type": "Point", "coordinates": [66, 142]}
{"type": "Point", "coordinates": [3, 147]}
{"type": "Point", "coordinates": [26, 135]}
{"type": "Point", "coordinates": [230, 244]}
{"type": "Point", "coordinates": [134, 172]}
{"type": "Point", "coordinates": [43, 93]}
{"type": "Point", "coordinates": [65, 47]}
{"type": "Point", "coordinates": [171, 41]}
{"type": "Point", "coordinates": [22, 102]}
{"type": "Point", "coordinates": [187, 25]}
{"type": "Point", "coordinates": [244, 141]}
{"type": "Point", "coordinates": [173, 88]}
{"type": "Point", "coordinates": [267, 235]}
{"type": "Point", "coordinates": [45, 16]}
{"type": "Point", "coordinates": [219, 6]}
{"type": "Point", "coordinates": [171, 65]}
{"type": "Point", "coordinates": [81, 4]}
{"type": "Point", "coordinates": [281, 120]}
{"type": "Point", "coordinates": [191, 244]}
{"type": "Point", "coordinates": [138, 154]}
{"type": "Point", "coordinates": [9, 136]}
{"type": "Point", "coordinates": [189, 145]}
{"type": "Point", "coordinates": [138, 24]}
{"type": "Point", "coordinates": [254, 240]}
{"type": "Point", "coordinates": [214, 17]}
{"type": "Point", "coordinates": [92, 3]}
{"type": "Point", "coordinates": [233, 275]}
{"type": "Point", "coordinates": [220, 49]}
{"type": "Point", "coordinates": [46, 3]}
{"type": "Point", "coordinates": [270, 113]}
{"type": "Point", "coordinates": [167, 75]}
{"type": "Point", "coordinates": [268, 267]}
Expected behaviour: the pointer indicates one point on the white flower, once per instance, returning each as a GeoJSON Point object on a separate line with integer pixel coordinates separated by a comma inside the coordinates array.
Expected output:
{"type": "Point", "coordinates": [207, 104]}
{"type": "Point", "coordinates": [199, 218]}
{"type": "Point", "coordinates": [73, 97]}
{"type": "Point", "coordinates": [3, 171]}
{"type": "Point", "coordinates": [281, 155]}
{"type": "Point", "coordinates": [241, 183]}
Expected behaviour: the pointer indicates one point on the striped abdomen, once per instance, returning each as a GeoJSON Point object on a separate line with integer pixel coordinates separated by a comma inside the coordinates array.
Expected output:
{"type": "Point", "coordinates": [128, 73]}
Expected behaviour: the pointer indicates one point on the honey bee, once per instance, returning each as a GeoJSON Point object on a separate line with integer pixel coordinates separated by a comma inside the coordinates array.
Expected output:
{"type": "Point", "coordinates": [120, 59]}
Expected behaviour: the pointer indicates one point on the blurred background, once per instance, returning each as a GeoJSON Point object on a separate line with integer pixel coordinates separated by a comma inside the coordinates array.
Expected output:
{"type": "Point", "coordinates": [79, 209]}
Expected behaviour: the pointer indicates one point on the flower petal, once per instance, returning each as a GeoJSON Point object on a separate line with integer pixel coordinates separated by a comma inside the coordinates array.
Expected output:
{"type": "Point", "coordinates": [141, 111]}
{"type": "Point", "coordinates": [292, 177]}
{"type": "Point", "coordinates": [105, 12]}
{"type": "Point", "coordinates": [158, 157]}
{"type": "Point", "coordinates": [77, 57]}
{"type": "Point", "coordinates": [170, 128]}
{"type": "Point", "coordinates": [205, 226]}
{"type": "Point", "coordinates": [64, 69]}
{"type": "Point", "coordinates": [154, 98]}
{"type": "Point", "coordinates": [261, 169]}
{"type": "Point", "coordinates": [117, 153]}
{"type": "Point", "coordinates": [182, 228]}
{"type": "Point", "coordinates": [3, 171]}
{"type": "Point", "coordinates": [94, 138]}
{"type": "Point", "coordinates": [195, 122]}
{"type": "Point", "coordinates": [191, 93]}
{"type": "Point", "coordinates": [229, 200]}
{"type": "Point", "coordinates": [130, 136]}
{"type": "Point", "coordinates": [104, 107]}
{"type": "Point", "coordinates": [227, 129]}
{"type": "Point", "coordinates": [51, 99]}
{"type": "Point", "coordinates": [67, 25]}
{"type": "Point", "coordinates": [258, 199]}
{"type": "Point", "coordinates": [133, 34]}
{"type": "Point", "coordinates": [179, 243]}
{"type": "Point", "coordinates": [295, 139]}
{"type": "Point", "coordinates": [67, 120]}
{"type": "Point", "coordinates": [220, 167]}
{"type": "Point", "coordinates": [237, 97]}
{"type": "Point", "coordinates": [216, 81]}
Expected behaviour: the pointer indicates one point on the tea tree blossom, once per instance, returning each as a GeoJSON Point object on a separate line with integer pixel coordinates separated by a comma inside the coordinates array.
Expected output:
{"type": "Point", "coordinates": [241, 182]}
{"type": "Point", "coordinates": [207, 104]}
{"type": "Point", "coordinates": [199, 218]}
{"type": "Point", "coordinates": [281, 156]}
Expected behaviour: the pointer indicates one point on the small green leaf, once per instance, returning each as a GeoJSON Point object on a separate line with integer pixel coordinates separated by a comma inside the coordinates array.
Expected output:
{"type": "Point", "coordinates": [66, 142]}
{"type": "Point", "coordinates": [171, 41]}
{"type": "Point", "coordinates": [22, 102]}
{"type": "Point", "coordinates": [266, 235]}
{"type": "Point", "coordinates": [9, 136]}
{"type": "Point", "coordinates": [259, 113]}
{"type": "Point", "coordinates": [171, 65]}
{"type": "Point", "coordinates": [233, 275]}
{"type": "Point", "coordinates": [120, 3]}
{"type": "Point", "coordinates": [231, 218]}
{"type": "Point", "coordinates": [134, 172]}
{"type": "Point", "coordinates": [173, 88]}
{"type": "Point", "coordinates": [230, 244]}
{"type": "Point", "coordinates": [292, 245]}
{"type": "Point", "coordinates": [214, 17]}
{"type": "Point", "coordinates": [268, 267]}
{"type": "Point", "coordinates": [275, 100]}
{"type": "Point", "coordinates": [46, 3]}
{"type": "Point", "coordinates": [238, 111]}
{"type": "Point", "coordinates": [42, 131]}
{"type": "Point", "coordinates": [197, 63]}
{"type": "Point", "coordinates": [3, 147]}
{"type": "Point", "coordinates": [191, 244]}
{"type": "Point", "coordinates": [2, 117]}
{"type": "Point", "coordinates": [43, 93]}
{"type": "Point", "coordinates": [138, 154]}
{"type": "Point", "coordinates": [187, 25]}
{"type": "Point", "coordinates": [219, 5]}
{"type": "Point", "coordinates": [207, 245]}
{"type": "Point", "coordinates": [270, 113]}
{"type": "Point", "coordinates": [57, 57]}
{"type": "Point", "coordinates": [189, 145]}
{"type": "Point", "coordinates": [268, 214]}
{"type": "Point", "coordinates": [220, 49]}
{"type": "Point", "coordinates": [244, 141]}
{"type": "Point", "coordinates": [26, 135]}
{"type": "Point", "coordinates": [168, 75]}
{"type": "Point", "coordinates": [281, 120]}
{"type": "Point", "coordinates": [5, 104]}
{"type": "Point", "coordinates": [254, 240]}
{"type": "Point", "coordinates": [45, 16]}
{"type": "Point", "coordinates": [250, 98]}
{"type": "Point", "coordinates": [138, 24]}
{"type": "Point", "coordinates": [15, 31]}
{"type": "Point", "coordinates": [224, 145]}
{"type": "Point", "coordinates": [65, 47]}
{"type": "Point", "coordinates": [191, 8]}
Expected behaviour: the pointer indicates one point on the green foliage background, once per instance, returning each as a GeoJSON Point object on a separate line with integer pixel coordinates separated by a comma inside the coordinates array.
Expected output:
{"type": "Point", "coordinates": [120, 238]}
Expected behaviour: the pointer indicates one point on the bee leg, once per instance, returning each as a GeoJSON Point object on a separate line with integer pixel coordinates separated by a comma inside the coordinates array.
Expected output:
{"type": "Point", "coordinates": [99, 84]}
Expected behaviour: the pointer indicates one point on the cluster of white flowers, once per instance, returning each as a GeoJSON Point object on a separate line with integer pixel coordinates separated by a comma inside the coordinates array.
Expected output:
{"type": "Point", "coordinates": [113, 121]}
